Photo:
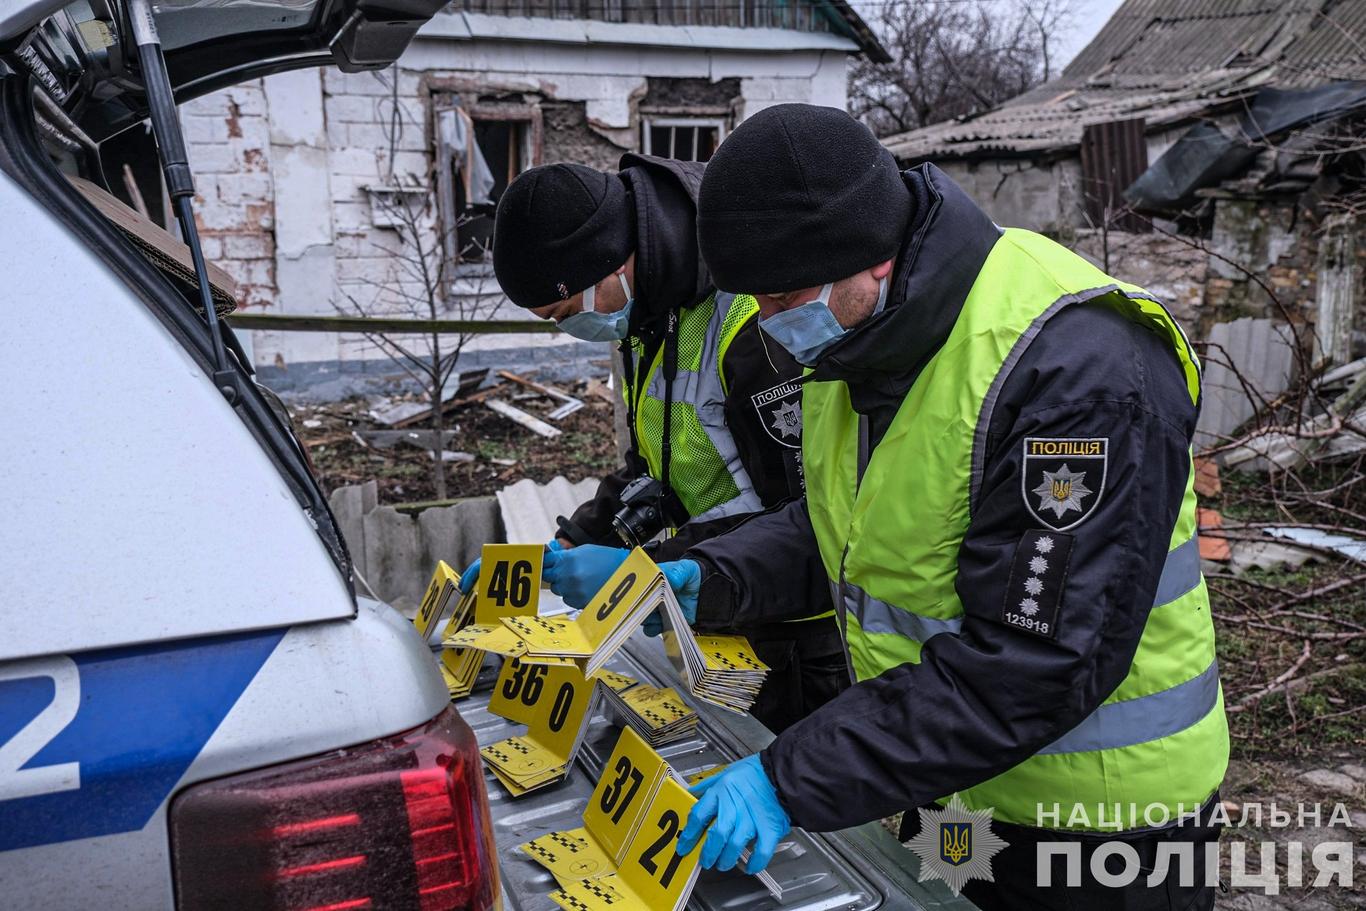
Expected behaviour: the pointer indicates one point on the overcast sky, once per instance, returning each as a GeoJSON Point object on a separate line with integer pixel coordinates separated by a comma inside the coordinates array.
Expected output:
{"type": "Point", "coordinates": [1090, 16]}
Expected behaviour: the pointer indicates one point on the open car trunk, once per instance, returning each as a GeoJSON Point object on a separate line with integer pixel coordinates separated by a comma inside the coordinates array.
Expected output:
{"type": "Point", "coordinates": [859, 869]}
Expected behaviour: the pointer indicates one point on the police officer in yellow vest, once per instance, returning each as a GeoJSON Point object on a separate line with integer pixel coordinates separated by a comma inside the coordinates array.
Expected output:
{"type": "Point", "coordinates": [713, 411]}
{"type": "Point", "coordinates": [999, 494]}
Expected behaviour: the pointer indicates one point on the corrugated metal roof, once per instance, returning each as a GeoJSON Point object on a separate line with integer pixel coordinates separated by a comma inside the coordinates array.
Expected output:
{"type": "Point", "coordinates": [1167, 61]}
{"type": "Point", "coordinates": [529, 509]}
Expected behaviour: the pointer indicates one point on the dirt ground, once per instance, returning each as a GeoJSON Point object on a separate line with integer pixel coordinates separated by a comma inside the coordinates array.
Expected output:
{"type": "Point", "coordinates": [585, 448]}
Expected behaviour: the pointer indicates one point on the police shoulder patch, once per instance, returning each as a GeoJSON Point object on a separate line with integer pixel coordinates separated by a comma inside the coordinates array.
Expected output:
{"type": "Point", "coordinates": [780, 411]}
{"type": "Point", "coordinates": [1037, 577]}
{"type": "Point", "coordinates": [1062, 479]}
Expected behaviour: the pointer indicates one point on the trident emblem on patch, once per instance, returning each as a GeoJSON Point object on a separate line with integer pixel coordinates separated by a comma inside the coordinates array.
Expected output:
{"type": "Point", "coordinates": [955, 845]}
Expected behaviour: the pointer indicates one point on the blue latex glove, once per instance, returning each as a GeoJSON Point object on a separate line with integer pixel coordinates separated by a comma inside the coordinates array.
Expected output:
{"type": "Point", "coordinates": [685, 578]}
{"type": "Point", "coordinates": [745, 807]}
{"type": "Point", "coordinates": [577, 574]}
{"type": "Point", "coordinates": [470, 577]}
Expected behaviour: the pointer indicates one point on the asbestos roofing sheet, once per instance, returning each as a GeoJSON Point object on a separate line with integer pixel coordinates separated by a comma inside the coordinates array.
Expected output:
{"type": "Point", "coordinates": [529, 509]}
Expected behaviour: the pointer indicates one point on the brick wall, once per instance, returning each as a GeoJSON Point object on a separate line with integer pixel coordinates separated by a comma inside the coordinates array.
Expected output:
{"type": "Point", "coordinates": [282, 165]}
{"type": "Point", "coordinates": [228, 137]}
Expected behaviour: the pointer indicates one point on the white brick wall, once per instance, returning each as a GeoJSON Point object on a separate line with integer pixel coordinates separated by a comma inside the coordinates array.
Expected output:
{"type": "Point", "coordinates": [281, 166]}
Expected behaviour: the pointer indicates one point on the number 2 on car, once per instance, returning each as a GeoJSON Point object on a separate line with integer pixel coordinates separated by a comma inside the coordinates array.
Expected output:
{"type": "Point", "coordinates": [509, 582]}
{"type": "Point", "coordinates": [617, 805]}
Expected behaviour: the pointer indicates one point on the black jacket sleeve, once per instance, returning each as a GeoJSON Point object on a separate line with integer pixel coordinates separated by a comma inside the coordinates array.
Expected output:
{"type": "Point", "coordinates": [766, 570]}
{"type": "Point", "coordinates": [985, 699]}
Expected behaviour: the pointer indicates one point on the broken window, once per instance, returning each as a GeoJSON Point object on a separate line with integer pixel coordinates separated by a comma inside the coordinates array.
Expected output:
{"type": "Point", "coordinates": [480, 149]}
{"type": "Point", "coordinates": [683, 138]}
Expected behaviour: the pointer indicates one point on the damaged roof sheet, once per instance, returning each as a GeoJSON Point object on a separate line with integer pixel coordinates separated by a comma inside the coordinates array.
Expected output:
{"type": "Point", "coordinates": [1168, 62]}
{"type": "Point", "coordinates": [529, 509]}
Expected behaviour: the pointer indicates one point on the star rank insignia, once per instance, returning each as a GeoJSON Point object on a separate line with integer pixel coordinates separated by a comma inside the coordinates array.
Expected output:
{"type": "Point", "coordinates": [1063, 478]}
{"type": "Point", "coordinates": [1037, 577]}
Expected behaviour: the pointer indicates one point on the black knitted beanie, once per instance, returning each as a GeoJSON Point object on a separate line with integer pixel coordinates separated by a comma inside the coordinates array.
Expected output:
{"type": "Point", "coordinates": [560, 228]}
{"type": "Point", "coordinates": [797, 196]}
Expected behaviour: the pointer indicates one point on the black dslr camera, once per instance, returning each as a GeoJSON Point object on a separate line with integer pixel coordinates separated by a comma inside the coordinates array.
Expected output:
{"type": "Point", "coordinates": [644, 511]}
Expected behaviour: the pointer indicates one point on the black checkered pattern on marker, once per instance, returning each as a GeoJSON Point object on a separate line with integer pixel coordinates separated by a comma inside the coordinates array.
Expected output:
{"type": "Point", "coordinates": [541, 851]}
{"type": "Point", "coordinates": [570, 843]}
{"type": "Point", "coordinates": [497, 754]}
{"type": "Point", "coordinates": [723, 659]}
{"type": "Point", "coordinates": [606, 893]}
{"type": "Point", "coordinates": [748, 661]}
{"type": "Point", "coordinates": [519, 747]}
{"type": "Point", "coordinates": [563, 898]}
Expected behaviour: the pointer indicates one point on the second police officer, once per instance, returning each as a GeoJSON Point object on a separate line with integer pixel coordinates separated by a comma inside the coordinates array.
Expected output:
{"type": "Point", "coordinates": [713, 411]}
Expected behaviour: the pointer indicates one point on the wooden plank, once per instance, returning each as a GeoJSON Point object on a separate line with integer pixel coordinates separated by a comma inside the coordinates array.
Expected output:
{"type": "Point", "coordinates": [517, 415]}
{"type": "Point", "coordinates": [283, 322]}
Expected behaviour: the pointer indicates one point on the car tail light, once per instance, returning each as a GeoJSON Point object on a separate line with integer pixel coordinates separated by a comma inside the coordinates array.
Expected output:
{"type": "Point", "coordinates": [400, 823]}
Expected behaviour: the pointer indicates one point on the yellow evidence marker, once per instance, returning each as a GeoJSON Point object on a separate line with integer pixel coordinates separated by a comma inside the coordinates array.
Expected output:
{"type": "Point", "coordinates": [443, 608]}
{"type": "Point", "coordinates": [518, 691]}
{"type": "Point", "coordinates": [619, 607]}
{"type": "Point", "coordinates": [439, 602]}
{"type": "Point", "coordinates": [628, 783]}
{"type": "Point", "coordinates": [652, 874]}
{"type": "Point", "coordinates": [509, 582]}
{"type": "Point", "coordinates": [562, 702]}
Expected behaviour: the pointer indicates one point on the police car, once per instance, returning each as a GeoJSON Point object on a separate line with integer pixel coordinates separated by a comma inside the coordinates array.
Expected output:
{"type": "Point", "coordinates": [195, 709]}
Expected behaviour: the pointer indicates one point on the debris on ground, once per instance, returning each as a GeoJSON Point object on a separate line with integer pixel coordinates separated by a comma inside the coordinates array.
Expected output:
{"type": "Point", "coordinates": [1330, 423]}
{"type": "Point", "coordinates": [569, 403]}
{"type": "Point", "coordinates": [350, 445]}
{"type": "Point", "coordinates": [517, 415]}
{"type": "Point", "coordinates": [409, 412]}
{"type": "Point", "coordinates": [1283, 492]}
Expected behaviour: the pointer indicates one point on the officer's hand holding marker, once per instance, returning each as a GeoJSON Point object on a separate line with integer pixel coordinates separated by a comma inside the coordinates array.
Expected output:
{"type": "Point", "coordinates": [685, 578]}
{"type": "Point", "coordinates": [470, 576]}
{"type": "Point", "coordinates": [742, 806]}
{"type": "Point", "coordinates": [576, 575]}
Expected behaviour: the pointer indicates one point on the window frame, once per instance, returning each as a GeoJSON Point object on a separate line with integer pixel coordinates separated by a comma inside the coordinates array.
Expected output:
{"type": "Point", "coordinates": [526, 113]}
{"type": "Point", "coordinates": [649, 121]}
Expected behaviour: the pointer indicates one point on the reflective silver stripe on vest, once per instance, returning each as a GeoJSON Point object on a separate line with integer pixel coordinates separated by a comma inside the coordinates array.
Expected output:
{"type": "Point", "coordinates": [1180, 574]}
{"type": "Point", "coordinates": [702, 390]}
{"type": "Point", "coordinates": [1145, 718]}
{"type": "Point", "coordinates": [876, 616]}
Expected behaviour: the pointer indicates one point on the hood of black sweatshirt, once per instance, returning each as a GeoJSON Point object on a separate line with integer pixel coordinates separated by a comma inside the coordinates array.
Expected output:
{"type": "Point", "coordinates": [669, 271]}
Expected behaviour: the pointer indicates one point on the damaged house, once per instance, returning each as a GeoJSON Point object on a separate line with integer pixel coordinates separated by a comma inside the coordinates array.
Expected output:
{"type": "Point", "coordinates": [1211, 150]}
{"type": "Point", "coordinates": [299, 173]}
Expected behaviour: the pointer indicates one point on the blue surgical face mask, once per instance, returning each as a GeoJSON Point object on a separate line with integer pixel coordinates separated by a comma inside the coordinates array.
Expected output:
{"type": "Point", "coordinates": [590, 326]}
{"type": "Point", "coordinates": [808, 330]}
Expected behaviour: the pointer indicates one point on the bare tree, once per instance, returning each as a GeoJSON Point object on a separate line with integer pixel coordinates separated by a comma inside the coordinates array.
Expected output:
{"type": "Point", "coordinates": [953, 57]}
{"type": "Point", "coordinates": [416, 284]}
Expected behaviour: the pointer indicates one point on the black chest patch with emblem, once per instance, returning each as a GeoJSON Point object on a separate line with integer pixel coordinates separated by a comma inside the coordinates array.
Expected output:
{"type": "Point", "coordinates": [780, 411]}
{"type": "Point", "coordinates": [1063, 478]}
{"type": "Point", "coordinates": [1037, 578]}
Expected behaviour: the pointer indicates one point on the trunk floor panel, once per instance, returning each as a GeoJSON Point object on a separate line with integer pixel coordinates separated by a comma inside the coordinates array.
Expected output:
{"type": "Point", "coordinates": [858, 870]}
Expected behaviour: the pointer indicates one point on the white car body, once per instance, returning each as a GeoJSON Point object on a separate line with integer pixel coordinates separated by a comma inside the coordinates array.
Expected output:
{"type": "Point", "coordinates": [170, 612]}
